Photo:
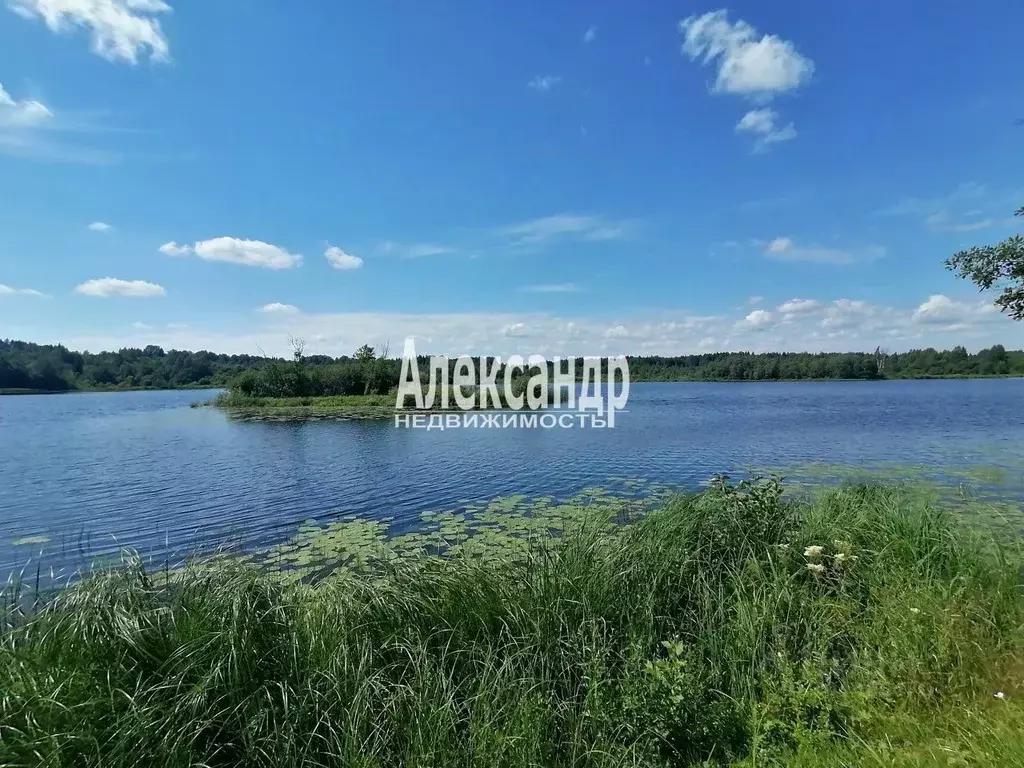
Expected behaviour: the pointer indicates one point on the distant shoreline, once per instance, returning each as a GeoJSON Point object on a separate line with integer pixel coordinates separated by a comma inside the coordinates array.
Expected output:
{"type": "Point", "coordinates": [193, 387]}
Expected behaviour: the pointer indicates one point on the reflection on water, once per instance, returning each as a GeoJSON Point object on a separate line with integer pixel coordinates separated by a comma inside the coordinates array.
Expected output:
{"type": "Point", "coordinates": [83, 475]}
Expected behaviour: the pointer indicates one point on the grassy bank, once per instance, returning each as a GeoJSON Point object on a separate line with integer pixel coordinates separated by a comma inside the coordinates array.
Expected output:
{"type": "Point", "coordinates": [866, 627]}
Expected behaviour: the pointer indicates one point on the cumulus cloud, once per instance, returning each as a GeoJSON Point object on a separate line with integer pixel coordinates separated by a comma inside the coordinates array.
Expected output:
{"type": "Point", "coordinates": [100, 226]}
{"type": "Point", "coordinates": [764, 125]}
{"type": "Point", "coordinates": [277, 308]}
{"type": "Point", "coordinates": [108, 287]}
{"type": "Point", "coordinates": [341, 260]}
{"type": "Point", "coordinates": [799, 306]}
{"type": "Point", "coordinates": [173, 249]}
{"type": "Point", "coordinates": [759, 318]}
{"type": "Point", "coordinates": [544, 82]}
{"type": "Point", "coordinates": [617, 332]}
{"type": "Point", "coordinates": [845, 324]}
{"type": "Point", "coordinates": [847, 313]}
{"type": "Point", "coordinates": [6, 290]}
{"type": "Point", "coordinates": [786, 249]}
{"type": "Point", "coordinates": [121, 30]}
{"type": "Point", "coordinates": [21, 114]}
{"type": "Point", "coordinates": [942, 309]}
{"type": "Point", "coordinates": [748, 65]}
{"type": "Point", "coordinates": [249, 253]}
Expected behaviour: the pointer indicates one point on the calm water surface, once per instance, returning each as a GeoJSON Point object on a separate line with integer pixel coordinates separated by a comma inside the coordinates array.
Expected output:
{"type": "Point", "coordinates": [96, 472]}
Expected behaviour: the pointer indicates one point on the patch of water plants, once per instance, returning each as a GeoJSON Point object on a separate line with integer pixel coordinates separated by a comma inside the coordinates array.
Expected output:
{"type": "Point", "coordinates": [500, 529]}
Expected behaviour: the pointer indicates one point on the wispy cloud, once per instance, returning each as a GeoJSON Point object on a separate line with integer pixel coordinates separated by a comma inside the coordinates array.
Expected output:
{"type": "Point", "coordinates": [121, 30]}
{"type": "Point", "coordinates": [590, 35]}
{"type": "Point", "coordinates": [544, 82]}
{"type": "Point", "coordinates": [414, 250]}
{"type": "Point", "coordinates": [571, 226]}
{"type": "Point", "coordinates": [763, 123]}
{"type": "Point", "coordinates": [553, 288]}
{"type": "Point", "coordinates": [27, 127]}
{"type": "Point", "coordinates": [6, 290]}
{"type": "Point", "coordinates": [786, 249]}
{"type": "Point", "coordinates": [100, 226]}
{"type": "Point", "coordinates": [962, 210]}
{"type": "Point", "coordinates": [967, 193]}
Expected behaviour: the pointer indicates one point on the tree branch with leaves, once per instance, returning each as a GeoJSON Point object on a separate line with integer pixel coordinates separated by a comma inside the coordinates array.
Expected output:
{"type": "Point", "coordinates": [999, 267]}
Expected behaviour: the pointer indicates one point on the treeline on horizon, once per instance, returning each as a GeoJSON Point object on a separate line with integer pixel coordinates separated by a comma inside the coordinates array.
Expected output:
{"type": "Point", "coordinates": [54, 368]}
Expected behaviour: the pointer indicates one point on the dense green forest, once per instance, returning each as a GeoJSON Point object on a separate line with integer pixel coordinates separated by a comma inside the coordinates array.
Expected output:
{"type": "Point", "coordinates": [27, 366]}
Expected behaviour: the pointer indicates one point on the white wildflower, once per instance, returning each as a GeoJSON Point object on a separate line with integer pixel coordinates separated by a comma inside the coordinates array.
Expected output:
{"type": "Point", "coordinates": [842, 546]}
{"type": "Point", "coordinates": [816, 568]}
{"type": "Point", "coordinates": [783, 547]}
{"type": "Point", "coordinates": [841, 557]}
{"type": "Point", "coordinates": [915, 610]}
{"type": "Point", "coordinates": [1001, 696]}
{"type": "Point", "coordinates": [813, 551]}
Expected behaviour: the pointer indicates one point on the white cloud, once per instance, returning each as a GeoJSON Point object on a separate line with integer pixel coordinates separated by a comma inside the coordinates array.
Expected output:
{"type": "Point", "coordinates": [553, 288]}
{"type": "Point", "coordinates": [942, 309]}
{"type": "Point", "coordinates": [759, 318]}
{"type": "Point", "coordinates": [173, 249]}
{"type": "Point", "coordinates": [846, 313]}
{"type": "Point", "coordinates": [750, 66]}
{"type": "Point", "coordinates": [6, 290]}
{"type": "Point", "coordinates": [799, 306]}
{"type": "Point", "coordinates": [755, 300]}
{"type": "Point", "coordinates": [341, 260]}
{"type": "Point", "coordinates": [785, 249]}
{"type": "Point", "coordinates": [763, 123]}
{"type": "Point", "coordinates": [99, 226]}
{"type": "Point", "coordinates": [279, 309]}
{"type": "Point", "coordinates": [590, 35]}
{"type": "Point", "coordinates": [21, 114]}
{"type": "Point", "coordinates": [249, 253]}
{"type": "Point", "coordinates": [544, 82]}
{"type": "Point", "coordinates": [414, 250]}
{"type": "Point", "coordinates": [120, 29]}
{"type": "Point", "coordinates": [617, 332]}
{"type": "Point", "coordinates": [846, 324]}
{"type": "Point", "coordinates": [566, 225]}
{"type": "Point", "coordinates": [108, 287]}
{"type": "Point", "coordinates": [138, 325]}
{"type": "Point", "coordinates": [942, 221]}
{"type": "Point", "coordinates": [969, 192]}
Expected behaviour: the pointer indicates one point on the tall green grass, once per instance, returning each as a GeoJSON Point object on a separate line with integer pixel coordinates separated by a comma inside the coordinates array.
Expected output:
{"type": "Point", "coordinates": [700, 634]}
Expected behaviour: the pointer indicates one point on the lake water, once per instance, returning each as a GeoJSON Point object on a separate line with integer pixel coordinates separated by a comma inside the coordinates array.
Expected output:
{"type": "Point", "coordinates": [96, 472]}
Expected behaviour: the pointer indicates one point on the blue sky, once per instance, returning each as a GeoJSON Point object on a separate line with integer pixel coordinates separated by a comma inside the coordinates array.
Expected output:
{"type": "Point", "coordinates": [573, 177]}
